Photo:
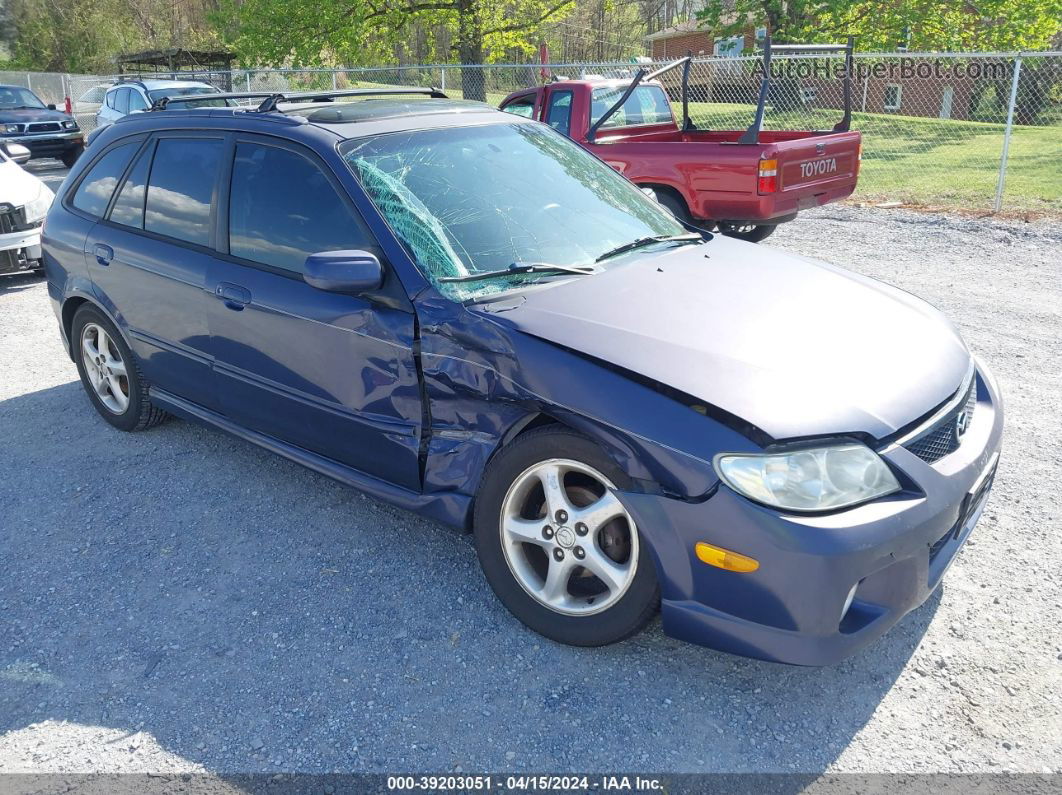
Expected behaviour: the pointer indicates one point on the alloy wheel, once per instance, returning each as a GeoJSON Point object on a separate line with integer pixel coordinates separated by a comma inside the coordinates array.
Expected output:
{"type": "Point", "coordinates": [567, 538]}
{"type": "Point", "coordinates": [105, 368]}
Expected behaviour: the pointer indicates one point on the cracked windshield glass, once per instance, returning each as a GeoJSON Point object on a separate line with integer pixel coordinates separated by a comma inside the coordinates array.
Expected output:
{"type": "Point", "coordinates": [476, 199]}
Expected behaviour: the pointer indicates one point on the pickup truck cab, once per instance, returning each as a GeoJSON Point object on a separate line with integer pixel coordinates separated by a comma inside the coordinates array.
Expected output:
{"type": "Point", "coordinates": [745, 182]}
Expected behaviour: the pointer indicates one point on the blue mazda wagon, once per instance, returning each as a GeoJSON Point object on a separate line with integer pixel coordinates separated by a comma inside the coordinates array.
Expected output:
{"type": "Point", "coordinates": [464, 313]}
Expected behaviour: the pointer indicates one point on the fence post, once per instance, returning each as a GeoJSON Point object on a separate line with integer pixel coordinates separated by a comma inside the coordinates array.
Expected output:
{"type": "Point", "coordinates": [247, 79]}
{"type": "Point", "coordinates": [998, 204]}
{"type": "Point", "coordinates": [333, 80]}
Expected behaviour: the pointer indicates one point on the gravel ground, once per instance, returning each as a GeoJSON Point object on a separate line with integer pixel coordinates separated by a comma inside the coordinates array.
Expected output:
{"type": "Point", "coordinates": [178, 600]}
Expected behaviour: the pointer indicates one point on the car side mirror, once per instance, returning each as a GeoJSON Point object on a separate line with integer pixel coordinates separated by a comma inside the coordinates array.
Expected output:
{"type": "Point", "coordinates": [51, 106]}
{"type": "Point", "coordinates": [18, 153]}
{"type": "Point", "coordinates": [343, 271]}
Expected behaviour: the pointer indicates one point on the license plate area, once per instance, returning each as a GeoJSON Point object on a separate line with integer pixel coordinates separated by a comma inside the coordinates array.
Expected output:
{"type": "Point", "coordinates": [969, 512]}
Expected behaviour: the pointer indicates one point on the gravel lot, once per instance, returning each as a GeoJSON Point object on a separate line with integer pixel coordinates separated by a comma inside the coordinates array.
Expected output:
{"type": "Point", "coordinates": [178, 600]}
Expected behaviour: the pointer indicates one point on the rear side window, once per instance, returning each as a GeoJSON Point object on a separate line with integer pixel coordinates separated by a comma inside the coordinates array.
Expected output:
{"type": "Point", "coordinates": [94, 193]}
{"type": "Point", "coordinates": [282, 208]}
{"type": "Point", "coordinates": [128, 208]}
{"type": "Point", "coordinates": [180, 188]}
{"type": "Point", "coordinates": [559, 111]}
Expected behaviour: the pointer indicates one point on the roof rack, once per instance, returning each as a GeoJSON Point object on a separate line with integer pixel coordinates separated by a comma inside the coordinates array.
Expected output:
{"type": "Point", "coordinates": [270, 99]}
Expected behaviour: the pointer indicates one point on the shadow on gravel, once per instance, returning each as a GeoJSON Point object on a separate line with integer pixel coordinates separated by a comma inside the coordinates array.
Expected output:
{"type": "Point", "coordinates": [17, 282]}
{"type": "Point", "coordinates": [250, 615]}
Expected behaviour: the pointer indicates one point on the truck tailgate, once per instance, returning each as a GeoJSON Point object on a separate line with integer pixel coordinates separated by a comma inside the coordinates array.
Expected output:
{"type": "Point", "coordinates": [817, 164]}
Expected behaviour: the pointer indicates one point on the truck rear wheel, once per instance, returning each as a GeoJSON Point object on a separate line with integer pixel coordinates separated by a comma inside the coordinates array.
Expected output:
{"type": "Point", "coordinates": [753, 233]}
{"type": "Point", "coordinates": [674, 204]}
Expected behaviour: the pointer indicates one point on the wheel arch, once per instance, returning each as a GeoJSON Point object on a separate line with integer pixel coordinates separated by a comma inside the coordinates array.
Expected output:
{"type": "Point", "coordinates": [70, 307]}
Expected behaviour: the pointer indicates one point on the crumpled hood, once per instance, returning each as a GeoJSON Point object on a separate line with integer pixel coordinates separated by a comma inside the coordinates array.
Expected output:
{"type": "Point", "coordinates": [795, 347]}
{"type": "Point", "coordinates": [17, 186]}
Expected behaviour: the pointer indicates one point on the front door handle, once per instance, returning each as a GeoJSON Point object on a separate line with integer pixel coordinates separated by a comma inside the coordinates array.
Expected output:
{"type": "Point", "coordinates": [234, 296]}
{"type": "Point", "coordinates": [104, 254]}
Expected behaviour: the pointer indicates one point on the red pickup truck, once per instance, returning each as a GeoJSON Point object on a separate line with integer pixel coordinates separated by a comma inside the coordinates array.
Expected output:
{"type": "Point", "coordinates": [743, 182]}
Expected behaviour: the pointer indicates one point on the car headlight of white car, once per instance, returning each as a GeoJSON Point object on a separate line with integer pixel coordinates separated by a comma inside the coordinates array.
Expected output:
{"type": "Point", "coordinates": [38, 208]}
{"type": "Point", "coordinates": [811, 478]}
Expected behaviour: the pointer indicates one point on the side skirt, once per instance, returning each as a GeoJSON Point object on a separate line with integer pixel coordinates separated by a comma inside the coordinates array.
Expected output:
{"type": "Point", "coordinates": [448, 508]}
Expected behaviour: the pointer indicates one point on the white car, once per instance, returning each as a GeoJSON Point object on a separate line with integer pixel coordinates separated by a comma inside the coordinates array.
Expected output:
{"type": "Point", "coordinates": [24, 201]}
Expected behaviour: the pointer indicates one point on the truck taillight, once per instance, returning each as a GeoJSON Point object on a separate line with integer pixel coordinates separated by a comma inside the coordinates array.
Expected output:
{"type": "Point", "coordinates": [768, 182]}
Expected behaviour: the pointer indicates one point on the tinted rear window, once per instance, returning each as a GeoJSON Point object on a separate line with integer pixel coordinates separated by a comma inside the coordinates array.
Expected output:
{"type": "Point", "coordinates": [181, 187]}
{"type": "Point", "coordinates": [128, 208]}
{"type": "Point", "coordinates": [94, 193]}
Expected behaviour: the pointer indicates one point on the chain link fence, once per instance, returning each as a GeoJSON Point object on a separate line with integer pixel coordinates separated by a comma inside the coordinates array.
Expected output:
{"type": "Point", "coordinates": [957, 130]}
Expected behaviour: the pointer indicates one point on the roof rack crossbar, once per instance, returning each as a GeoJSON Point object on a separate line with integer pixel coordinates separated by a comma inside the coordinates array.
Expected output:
{"type": "Point", "coordinates": [162, 102]}
{"type": "Point", "coordinates": [270, 99]}
{"type": "Point", "coordinates": [271, 103]}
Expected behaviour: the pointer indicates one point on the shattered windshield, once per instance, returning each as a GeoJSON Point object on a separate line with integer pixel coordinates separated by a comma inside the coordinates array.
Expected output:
{"type": "Point", "coordinates": [466, 200]}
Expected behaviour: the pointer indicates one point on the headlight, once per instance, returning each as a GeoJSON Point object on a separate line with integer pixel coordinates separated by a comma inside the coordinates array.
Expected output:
{"type": "Point", "coordinates": [811, 479]}
{"type": "Point", "coordinates": [70, 125]}
{"type": "Point", "coordinates": [38, 208]}
{"type": "Point", "coordinates": [11, 129]}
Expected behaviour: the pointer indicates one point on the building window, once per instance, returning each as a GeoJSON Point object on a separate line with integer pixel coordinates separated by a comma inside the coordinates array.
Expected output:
{"type": "Point", "coordinates": [893, 93]}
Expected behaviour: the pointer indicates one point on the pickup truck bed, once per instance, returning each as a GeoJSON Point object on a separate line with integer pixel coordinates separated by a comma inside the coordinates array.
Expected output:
{"type": "Point", "coordinates": [718, 178]}
{"type": "Point", "coordinates": [744, 182]}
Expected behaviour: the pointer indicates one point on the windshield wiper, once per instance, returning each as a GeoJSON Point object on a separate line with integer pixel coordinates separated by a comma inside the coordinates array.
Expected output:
{"type": "Point", "coordinates": [522, 267]}
{"type": "Point", "coordinates": [647, 241]}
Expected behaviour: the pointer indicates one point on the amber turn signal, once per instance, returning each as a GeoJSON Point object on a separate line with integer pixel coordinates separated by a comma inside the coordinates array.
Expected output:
{"type": "Point", "coordinates": [724, 558]}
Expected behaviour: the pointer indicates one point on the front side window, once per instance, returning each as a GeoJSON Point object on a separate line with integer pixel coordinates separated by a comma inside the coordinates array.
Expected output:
{"type": "Point", "coordinates": [15, 98]}
{"type": "Point", "coordinates": [559, 111]}
{"type": "Point", "coordinates": [647, 104]}
{"type": "Point", "coordinates": [180, 188]}
{"type": "Point", "coordinates": [136, 101]}
{"type": "Point", "coordinates": [94, 193]}
{"type": "Point", "coordinates": [472, 199]}
{"type": "Point", "coordinates": [282, 208]}
{"type": "Point", "coordinates": [121, 102]}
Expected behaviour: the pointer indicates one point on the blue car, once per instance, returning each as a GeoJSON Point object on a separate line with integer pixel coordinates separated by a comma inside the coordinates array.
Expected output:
{"type": "Point", "coordinates": [463, 313]}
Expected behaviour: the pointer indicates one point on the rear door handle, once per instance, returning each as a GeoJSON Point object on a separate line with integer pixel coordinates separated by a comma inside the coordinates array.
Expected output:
{"type": "Point", "coordinates": [234, 296]}
{"type": "Point", "coordinates": [104, 254]}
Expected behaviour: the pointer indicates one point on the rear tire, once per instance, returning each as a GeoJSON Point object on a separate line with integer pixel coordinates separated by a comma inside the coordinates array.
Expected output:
{"type": "Point", "coordinates": [587, 580]}
{"type": "Point", "coordinates": [110, 373]}
{"type": "Point", "coordinates": [674, 204]}
{"type": "Point", "coordinates": [753, 233]}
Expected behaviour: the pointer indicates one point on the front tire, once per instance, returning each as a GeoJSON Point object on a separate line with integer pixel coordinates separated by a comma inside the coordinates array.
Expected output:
{"type": "Point", "coordinates": [110, 374]}
{"type": "Point", "coordinates": [557, 546]}
{"type": "Point", "coordinates": [70, 156]}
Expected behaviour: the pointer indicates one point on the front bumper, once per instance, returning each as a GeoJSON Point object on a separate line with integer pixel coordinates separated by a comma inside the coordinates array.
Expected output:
{"type": "Point", "coordinates": [894, 551]}
{"type": "Point", "coordinates": [47, 144]}
{"type": "Point", "coordinates": [18, 248]}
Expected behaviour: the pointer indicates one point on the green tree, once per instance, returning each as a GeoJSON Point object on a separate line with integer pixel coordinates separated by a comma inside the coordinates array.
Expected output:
{"type": "Point", "coordinates": [355, 32]}
{"type": "Point", "coordinates": [919, 25]}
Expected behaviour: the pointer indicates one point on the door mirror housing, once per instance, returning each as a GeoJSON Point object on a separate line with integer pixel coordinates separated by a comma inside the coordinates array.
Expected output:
{"type": "Point", "coordinates": [18, 153]}
{"type": "Point", "coordinates": [352, 271]}
{"type": "Point", "coordinates": [51, 106]}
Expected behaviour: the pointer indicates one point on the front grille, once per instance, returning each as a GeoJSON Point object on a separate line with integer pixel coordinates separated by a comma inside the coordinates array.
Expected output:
{"type": "Point", "coordinates": [943, 438]}
{"type": "Point", "coordinates": [43, 127]}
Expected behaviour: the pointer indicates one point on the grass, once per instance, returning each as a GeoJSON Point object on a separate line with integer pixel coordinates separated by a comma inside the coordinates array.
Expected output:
{"type": "Point", "coordinates": [918, 160]}
{"type": "Point", "coordinates": [932, 161]}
